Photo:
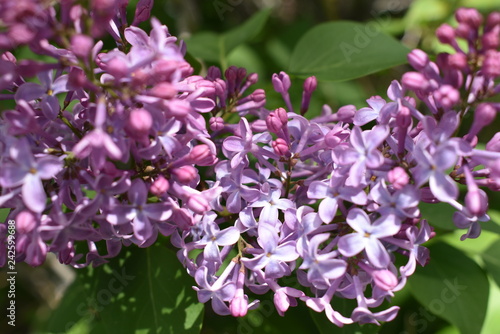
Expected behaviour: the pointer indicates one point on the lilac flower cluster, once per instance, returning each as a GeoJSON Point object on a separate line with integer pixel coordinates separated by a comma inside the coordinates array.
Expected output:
{"type": "Point", "coordinates": [108, 148]}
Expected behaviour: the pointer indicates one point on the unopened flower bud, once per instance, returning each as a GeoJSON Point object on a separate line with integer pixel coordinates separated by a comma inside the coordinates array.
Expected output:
{"type": "Point", "coordinates": [142, 11]}
{"type": "Point", "coordinates": [445, 34]}
{"type": "Point", "coordinates": [414, 81]}
{"type": "Point", "coordinates": [253, 78]}
{"type": "Point", "coordinates": [179, 108]}
{"type": "Point", "coordinates": [346, 113]}
{"type": "Point", "coordinates": [274, 123]}
{"type": "Point", "coordinates": [458, 61]}
{"type": "Point", "coordinates": [491, 64]}
{"type": "Point", "coordinates": [418, 59]}
{"type": "Point", "coordinates": [25, 222]}
{"type": "Point", "coordinates": [117, 67]}
{"type": "Point", "coordinates": [198, 204]}
{"type": "Point", "coordinates": [476, 201]}
{"type": "Point", "coordinates": [470, 16]}
{"type": "Point", "coordinates": [485, 114]}
{"type": "Point", "coordinates": [202, 156]}
{"type": "Point", "coordinates": [398, 177]}
{"type": "Point", "coordinates": [492, 21]}
{"type": "Point", "coordinates": [280, 147]}
{"type": "Point", "coordinates": [447, 96]}
{"type": "Point", "coordinates": [140, 121]}
{"type": "Point", "coordinates": [184, 174]}
{"type": "Point", "coordinates": [281, 82]}
{"type": "Point", "coordinates": [82, 45]}
{"type": "Point", "coordinates": [164, 90]}
{"type": "Point", "coordinates": [385, 279]}
{"type": "Point", "coordinates": [159, 186]}
{"type": "Point", "coordinates": [216, 123]}
{"type": "Point", "coordinates": [491, 39]}
{"type": "Point", "coordinates": [403, 117]}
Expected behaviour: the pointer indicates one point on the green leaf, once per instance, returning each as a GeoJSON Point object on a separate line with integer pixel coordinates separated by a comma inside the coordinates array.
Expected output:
{"type": "Point", "coordinates": [492, 261]}
{"type": "Point", "coordinates": [453, 287]}
{"type": "Point", "coordinates": [213, 47]}
{"type": "Point", "coordinates": [143, 291]}
{"type": "Point", "coordinates": [494, 224]}
{"type": "Point", "coordinates": [343, 50]}
{"type": "Point", "coordinates": [438, 214]}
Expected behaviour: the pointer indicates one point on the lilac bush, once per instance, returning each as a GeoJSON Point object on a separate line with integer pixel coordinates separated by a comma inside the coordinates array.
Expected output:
{"type": "Point", "coordinates": [118, 146]}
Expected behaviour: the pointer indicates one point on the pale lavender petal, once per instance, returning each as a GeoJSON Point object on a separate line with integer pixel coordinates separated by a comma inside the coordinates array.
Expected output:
{"type": "Point", "coordinates": [443, 187]}
{"type": "Point", "coordinates": [376, 253]}
{"type": "Point", "coordinates": [143, 229]}
{"type": "Point", "coordinates": [364, 116]}
{"type": "Point", "coordinates": [111, 148]}
{"type": "Point", "coordinates": [33, 193]}
{"type": "Point", "coordinates": [121, 215]}
{"type": "Point", "coordinates": [211, 252]}
{"type": "Point", "coordinates": [12, 175]}
{"type": "Point", "coordinates": [227, 237]}
{"type": "Point", "coordinates": [60, 85]}
{"type": "Point", "coordinates": [328, 209]}
{"type": "Point", "coordinates": [138, 193]}
{"type": "Point", "coordinates": [136, 36]}
{"type": "Point", "coordinates": [376, 136]}
{"type": "Point", "coordinates": [203, 104]}
{"type": "Point", "coordinates": [29, 91]}
{"type": "Point", "coordinates": [48, 167]}
{"type": "Point", "coordinates": [233, 144]}
{"type": "Point", "coordinates": [357, 140]}
{"type": "Point", "coordinates": [445, 157]}
{"type": "Point", "coordinates": [318, 190]}
{"type": "Point", "coordinates": [50, 106]}
{"type": "Point", "coordinates": [359, 220]}
{"type": "Point", "coordinates": [158, 211]}
{"type": "Point", "coordinates": [351, 244]}
{"type": "Point", "coordinates": [286, 252]}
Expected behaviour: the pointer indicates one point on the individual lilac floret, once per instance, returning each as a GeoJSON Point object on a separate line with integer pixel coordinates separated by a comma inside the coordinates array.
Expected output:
{"type": "Point", "coordinates": [272, 257]}
{"type": "Point", "coordinates": [139, 212]}
{"type": "Point", "coordinates": [218, 291]}
{"type": "Point", "coordinates": [29, 172]}
{"type": "Point", "coordinates": [364, 152]}
{"type": "Point", "coordinates": [322, 267]}
{"type": "Point", "coordinates": [332, 192]}
{"type": "Point", "coordinates": [366, 237]}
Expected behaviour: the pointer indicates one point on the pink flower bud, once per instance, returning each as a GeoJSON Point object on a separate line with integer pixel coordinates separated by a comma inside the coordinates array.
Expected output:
{"type": "Point", "coordinates": [398, 177]}
{"type": "Point", "coordinates": [82, 45]}
{"type": "Point", "coordinates": [485, 114]}
{"type": "Point", "coordinates": [258, 95]}
{"type": "Point", "coordinates": [274, 123]}
{"type": "Point", "coordinates": [281, 301]}
{"type": "Point", "coordinates": [491, 39]}
{"type": "Point", "coordinates": [216, 123]}
{"type": "Point", "coordinates": [414, 81]}
{"type": "Point", "coordinates": [280, 147]}
{"type": "Point", "coordinates": [184, 174]}
{"type": "Point", "coordinates": [140, 121]}
{"type": "Point", "coordinates": [117, 67]}
{"type": "Point", "coordinates": [164, 90]}
{"type": "Point", "coordinates": [198, 203]}
{"type": "Point", "coordinates": [418, 59]}
{"type": "Point", "coordinates": [310, 84]}
{"type": "Point", "coordinates": [445, 34]}
{"type": "Point", "coordinates": [346, 113]}
{"type": "Point", "coordinates": [159, 186]}
{"type": "Point", "coordinates": [281, 82]}
{"type": "Point", "coordinates": [465, 31]}
{"type": "Point", "coordinates": [25, 222]}
{"type": "Point", "coordinates": [385, 279]}
{"type": "Point", "coordinates": [492, 21]}
{"type": "Point", "coordinates": [253, 78]}
{"type": "Point", "coordinates": [476, 201]}
{"type": "Point", "coordinates": [239, 304]}
{"type": "Point", "coordinates": [178, 108]}
{"type": "Point", "coordinates": [447, 96]}
{"type": "Point", "coordinates": [142, 11]}
{"type": "Point", "coordinates": [491, 64]}
{"type": "Point", "coordinates": [458, 61]}
{"type": "Point", "coordinates": [403, 118]}
{"type": "Point", "coordinates": [470, 16]}
{"type": "Point", "coordinates": [202, 156]}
